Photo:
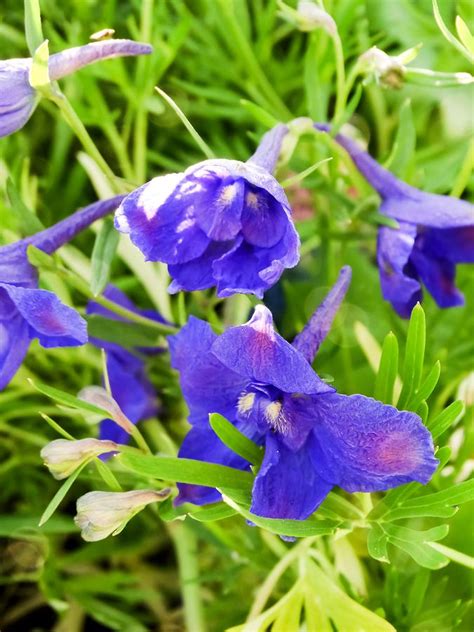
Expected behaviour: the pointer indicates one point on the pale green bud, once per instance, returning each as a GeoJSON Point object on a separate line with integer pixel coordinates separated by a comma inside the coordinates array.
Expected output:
{"type": "Point", "coordinates": [384, 69]}
{"type": "Point", "coordinates": [63, 457]}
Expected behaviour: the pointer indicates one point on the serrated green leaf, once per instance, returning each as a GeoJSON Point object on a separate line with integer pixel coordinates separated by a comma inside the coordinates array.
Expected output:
{"type": "Point", "coordinates": [377, 543]}
{"type": "Point", "coordinates": [388, 370]}
{"type": "Point", "coordinates": [61, 397]}
{"type": "Point", "coordinates": [445, 419]}
{"type": "Point", "coordinates": [128, 335]}
{"type": "Point", "coordinates": [414, 355]}
{"type": "Point", "coordinates": [169, 468]}
{"type": "Point", "coordinates": [235, 440]}
{"type": "Point", "coordinates": [103, 253]}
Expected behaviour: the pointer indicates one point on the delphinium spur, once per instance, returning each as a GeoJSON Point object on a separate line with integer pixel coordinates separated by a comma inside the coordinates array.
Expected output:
{"type": "Point", "coordinates": [314, 438]}
{"type": "Point", "coordinates": [221, 223]}
{"type": "Point", "coordinates": [434, 234]}
{"type": "Point", "coordinates": [27, 312]}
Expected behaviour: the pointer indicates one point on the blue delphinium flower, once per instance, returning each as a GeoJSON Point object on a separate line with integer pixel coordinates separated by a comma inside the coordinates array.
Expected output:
{"type": "Point", "coordinates": [129, 382]}
{"type": "Point", "coordinates": [314, 438]}
{"type": "Point", "coordinates": [221, 223]}
{"type": "Point", "coordinates": [435, 233]}
{"type": "Point", "coordinates": [18, 99]}
{"type": "Point", "coordinates": [27, 312]}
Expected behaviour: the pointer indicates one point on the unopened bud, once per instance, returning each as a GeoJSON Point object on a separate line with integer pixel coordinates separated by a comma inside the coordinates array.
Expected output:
{"type": "Point", "coordinates": [100, 514]}
{"type": "Point", "coordinates": [99, 397]}
{"type": "Point", "coordinates": [386, 70]}
{"type": "Point", "coordinates": [312, 17]}
{"type": "Point", "coordinates": [63, 457]}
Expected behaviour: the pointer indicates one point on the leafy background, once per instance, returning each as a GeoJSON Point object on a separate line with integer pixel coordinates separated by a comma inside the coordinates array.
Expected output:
{"type": "Point", "coordinates": [233, 66]}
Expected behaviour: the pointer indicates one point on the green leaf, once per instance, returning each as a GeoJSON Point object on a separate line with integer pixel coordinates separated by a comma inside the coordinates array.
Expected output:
{"type": "Point", "coordinates": [186, 471]}
{"type": "Point", "coordinates": [103, 253]}
{"type": "Point", "coordinates": [61, 397]}
{"type": "Point", "coordinates": [27, 221]}
{"type": "Point", "coordinates": [235, 440]}
{"type": "Point", "coordinates": [416, 544]}
{"type": "Point", "coordinates": [445, 419]}
{"type": "Point", "coordinates": [426, 388]}
{"type": "Point", "coordinates": [126, 334]}
{"type": "Point", "coordinates": [448, 35]}
{"type": "Point", "coordinates": [39, 71]}
{"type": "Point", "coordinates": [60, 494]}
{"type": "Point", "coordinates": [33, 29]}
{"type": "Point", "coordinates": [418, 591]}
{"type": "Point", "coordinates": [258, 113]}
{"type": "Point", "coordinates": [40, 259]}
{"type": "Point", "coordinates": [404, 145]}
{"type": "Point", "coordinates": [454, 495]}
{"type": "Point", "coordinates": [377, 543]}
{"type": "Point", "coordinates": [414, 355]}
{"type": "Point", "coordinates": [27, 526]}
{"type": "Point", "coordinates": [213, 513]}
{"type": "Point", "coordinates": [464, 34]}
{"type": "Point", "coordinates": [388, 370]}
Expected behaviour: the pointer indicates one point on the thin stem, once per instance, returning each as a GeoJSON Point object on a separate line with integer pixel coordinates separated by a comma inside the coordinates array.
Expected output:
{"type": "Point", "coordinates": [340, 77]}
{"type": "Point", "coordinates": [185, 545]}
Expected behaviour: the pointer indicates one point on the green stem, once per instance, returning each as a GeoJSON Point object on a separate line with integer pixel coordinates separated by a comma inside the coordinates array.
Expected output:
{"type": "Point", "coordinates": [464, 174]}
{"type": "Point", "coordinates": [340, 78]}
{"type": "Point", "coordinates": [185, 545]}
{"type": "Point", "coordinates": [82, 134]}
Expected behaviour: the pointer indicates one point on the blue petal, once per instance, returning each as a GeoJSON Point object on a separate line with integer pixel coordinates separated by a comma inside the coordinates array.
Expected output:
{"type": "Point", "coordinates": [397, 277]}
{"type": "Point", "coordinates": [256, 352]}
{"type": "Point", "coordinates": [438, 275]}
{"type": "Point", "coordinates": [52, 322]}
{"type": "Point", "coordinates": [202, 444]}
{"type": "Point", "coordinates": [427, 209]}
{"type": "Point", "coordinates": [14, 342]}
{"type": "Point", "coordinates": [453, 244]}
{"type": "Point", "coordinates": [197, 274]}
{"type": "Point", "coordinates": [17, 97]}
{"type": "Point", "coordinates": [207, 385]}
{"type": "Point", "coordinates": [318, 326]}
{"type": "Point", "coordinates": [159, 216]}
{"type": "Point", "coordinates": [287, 485]}
{"type": "Point", "coordinates": [15, 268]}
{"type": "Point", "coordinates": [250, 269]}
{"type": "Point", "coordinates": [363, 445]}
{"type": "Point", "coordinates": [264, 219]}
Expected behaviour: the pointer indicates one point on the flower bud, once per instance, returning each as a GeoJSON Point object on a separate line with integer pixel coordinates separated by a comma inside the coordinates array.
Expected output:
{"type": "Point", "coordinates": [384, 69]}
{"type": "Point", "coordinates": [63, 457]}
{"type": "Point", "coordinates": [99, 397]}
{"type": "Point", "coordinates": [312, 17]}
{"type": "Point", "coordinates": [100, 514]}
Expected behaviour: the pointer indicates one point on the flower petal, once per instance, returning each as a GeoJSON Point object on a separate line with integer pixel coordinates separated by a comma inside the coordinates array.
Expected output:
{"type": "Point", "coordinates": [438, 276]}
{"type": "Point", "coordinates": [207, 385]}
{"type": "Point", "coordinates": [428, 209]}
{"type": "Point", "coordinates": [17, 97]}
{"type": "Point", "coordinates": [197, 274]}
{"type": "Point", "coordinates": [256, 352]}
{"type": "Point", "coordinates": [264, 220]}
{"type": "Point", "coordinates": [203, 444]}
{"type": "Point", "coordinates": [315, 331]}
{"type": "Point", "coordinates": [363, 445]}
{"type": "Point", "coordinates": [397, 277]}
{"type": "Point", "coordinates": [52, 322]}
{"type": "Point", "coordinates": [14, 343]}
{"type": "Point", "coordinates": [452, 244]}
{"type": "Point", "coordinates": [287, 485]}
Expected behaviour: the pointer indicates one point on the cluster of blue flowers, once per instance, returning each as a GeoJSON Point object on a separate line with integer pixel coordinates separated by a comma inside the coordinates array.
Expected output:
{"type": "Point", "coordinates": [228, 225]}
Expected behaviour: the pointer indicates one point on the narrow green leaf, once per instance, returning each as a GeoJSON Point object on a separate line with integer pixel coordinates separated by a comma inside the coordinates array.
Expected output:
{"type": "Point", "coordinates": [377, 543]}
{"type": "Point", "coordinates": [61, 397]}
{"type": "Point", "coordinates": [126, 334]}
{"type": "Point", "coordinates": [103, 253]}
{"type": "Point", "coordinates": [235, 440]}
{"type": "Point", "coordinates": [405, 141]}
{"type": "Point", "coordinates": [186, 471]}
{"type": "Point", "coordinates": [435, 511]}
{"type": "Point", "coordinates": [213, 513]}
{"type": "Point", "coordinates": [448, 35]}
{"type": "Point", "coordinates": [388, 370]}
{"type": "Point", "coordinates": [60, 494]}
{"type": "Point", "coordinates": [418, 590]}
{"type": "Point", "coordinates": [464, 34]}
{"type": "Point", "coordinates": [40, 259]}
{"type": "Point", "coordinates": [426, 388]}
{"type": "Point", "coordinates": [259, 114]}
{"type": "Point", "coordinates": [454, 495]}
{"type": "Point", "coordinates": [55, 426]}
{"type": "Point", "coordinates": [27, 221]}
{"type": "Point", "coordinates": [445, 419]}
{"type": "Point", "coordinates": [33, 29]}
{"type": "Point", "coordinates": [107, 475]}
{"type": "Point", "coordinates": [414, 355]}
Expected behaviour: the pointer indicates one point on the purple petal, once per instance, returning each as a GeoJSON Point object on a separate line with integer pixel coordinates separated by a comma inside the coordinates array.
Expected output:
{"type": "Point", "coordinates": [264, 220]}
{"type": "Point", "coordinates": [159, 216]}
{"type": "Point", "coordinates": [52, 322]}
{"type": "Point", "coordinates": [197, 274]}
{"type": "Point", "coordinates": [249, 269]}
{"type": "Point", "coordinates": [318, 326]}
{"type": "Point", "coordinates": [269, 148]}
{"type": "Point", "coordinates": [438, 275]}
{"type": "Point", "coordinates": [202, 444]}
{"type": "Point", "coordinates": [72, 59]}
{"type": "Point", "coordinates": [453, 244]}
{"type": "Point", "coordinates": [397, 277]}
{"type": "Point", "coordinates": [256, 352]}
{"type": "Point", "coordinates": [15, 268]}
{"type": "Point", "coordinates": [364, 445]}
{"type": "Point", "coordinates": [428, 209]}
{"type": "Point", "coordinates": [17, 97]}
{"type": "Point", "coordinates": [14, 342]}
{"type": "Point", "coordinates": [287, 485]}
{"type": "Point", "coordinates": [207, 385]}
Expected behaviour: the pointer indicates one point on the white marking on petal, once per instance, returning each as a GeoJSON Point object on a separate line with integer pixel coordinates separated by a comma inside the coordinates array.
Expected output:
{"type": "Point", "coordinates": [245, 403]}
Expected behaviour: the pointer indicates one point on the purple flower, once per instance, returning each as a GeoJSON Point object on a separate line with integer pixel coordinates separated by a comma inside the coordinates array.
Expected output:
{"type": "Point", "coordinates": [27, 312]}
{"type": "Point", "coordinates": [220, 223]}
{"type": "Point", "coordinates": [17, 97]}
{"type": "Point", "coordinates": [314, 438]}
{"type": "Point", "coordinates": [435, 233]}
{"type": "Point", "coordinates": [129, 382]}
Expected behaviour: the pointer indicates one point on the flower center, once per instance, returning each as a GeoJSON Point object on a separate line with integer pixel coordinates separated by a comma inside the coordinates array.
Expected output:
{"type": "Point", "coordinates": [263, 406]}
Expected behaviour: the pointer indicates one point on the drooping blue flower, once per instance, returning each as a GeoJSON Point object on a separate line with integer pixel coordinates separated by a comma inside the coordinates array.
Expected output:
{"type": "Point", "coordinates": [130, 385]}
{"type": "Point", "coordinates": [18, 99]}
{"type": "Point", "coordinates": [221, 223]}
{"type": "Point", "coordinates": [27, 312]}
{"type": "Point", "coordinates": [435, 233]}
{"type": "Point", "coordinates": [314, 438]}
